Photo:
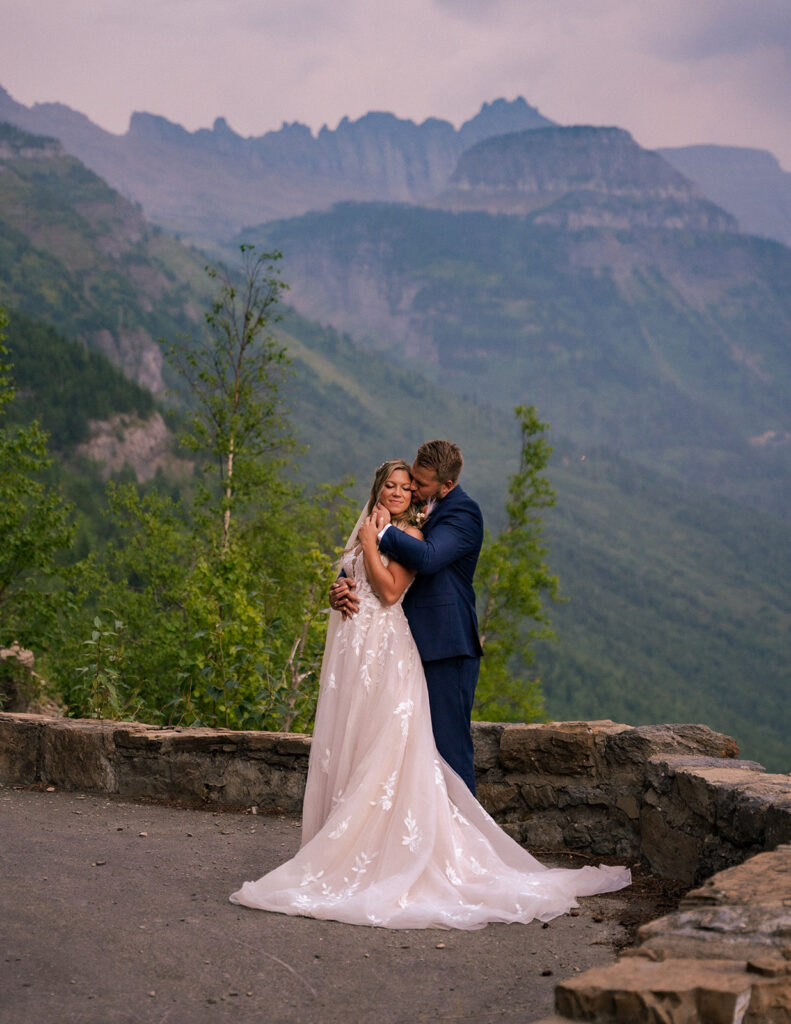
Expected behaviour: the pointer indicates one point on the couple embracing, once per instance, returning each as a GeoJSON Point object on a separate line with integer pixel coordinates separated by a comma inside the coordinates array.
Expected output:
{"type": "Point", "coordinates": [392, 834]}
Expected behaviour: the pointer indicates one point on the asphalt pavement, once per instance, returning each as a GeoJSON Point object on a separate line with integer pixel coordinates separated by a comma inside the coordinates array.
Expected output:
{"type": "Point", "coordinates": [114, 912]}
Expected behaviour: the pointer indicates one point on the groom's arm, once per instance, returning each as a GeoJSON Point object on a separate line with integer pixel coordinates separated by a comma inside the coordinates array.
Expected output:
{"type": "Point", "coordinates": [460, 533]}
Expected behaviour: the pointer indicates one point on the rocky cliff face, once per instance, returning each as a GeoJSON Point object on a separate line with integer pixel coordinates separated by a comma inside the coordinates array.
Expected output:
{"type": "Point", "coordinates": [144, 445]}
{"type": "Point", "coordinates": [577, 178]}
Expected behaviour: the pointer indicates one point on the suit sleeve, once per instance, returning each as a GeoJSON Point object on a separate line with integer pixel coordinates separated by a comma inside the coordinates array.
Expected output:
{"type": "Point", "coordinates": [459, 534]}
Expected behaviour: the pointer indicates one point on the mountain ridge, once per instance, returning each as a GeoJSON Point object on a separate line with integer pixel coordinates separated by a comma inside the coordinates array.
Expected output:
{"type": "Point", "coordinates": [74, 250]}
{"type": "Point", "coordinates": [139, 163]}
{"type": "Point", "coordinates": [280, 173]}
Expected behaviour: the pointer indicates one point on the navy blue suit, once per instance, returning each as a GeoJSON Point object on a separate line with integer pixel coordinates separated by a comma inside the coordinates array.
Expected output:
{"type": "Point", "coordinates": [440, 608]}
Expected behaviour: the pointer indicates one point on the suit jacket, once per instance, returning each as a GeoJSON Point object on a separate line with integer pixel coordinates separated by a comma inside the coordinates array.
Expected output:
{"type": "Point", "coordinates": [440, 604]}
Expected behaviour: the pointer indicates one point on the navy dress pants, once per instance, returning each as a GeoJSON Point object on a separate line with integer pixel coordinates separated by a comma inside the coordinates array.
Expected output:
{"type": "Point", "coordinates": [451, 689]}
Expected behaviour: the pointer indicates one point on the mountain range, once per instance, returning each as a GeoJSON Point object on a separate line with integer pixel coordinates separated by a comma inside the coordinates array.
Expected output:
{"type": "Point", "coordinates": [619, 299]}
{"type": "Point", "coordinates": [208, 184]}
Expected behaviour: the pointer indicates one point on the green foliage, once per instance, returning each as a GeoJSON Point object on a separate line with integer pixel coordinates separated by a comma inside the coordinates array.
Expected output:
{"type": "Point", "coordinates": [221, 596]}
{"type": "Point", "coordinates": [100, 682]}
{"type": "Point", "coordinates": [512, 580]}
{"type": "Point", "coordinates": [35, 525]}
{"type": "Point", "coordinates": [678, 606]}
{"type": "Point", "coordinates": [233, 376]}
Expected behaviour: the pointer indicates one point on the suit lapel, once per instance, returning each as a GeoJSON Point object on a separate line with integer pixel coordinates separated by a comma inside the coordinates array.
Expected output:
{"type": "Point", "coordinates": [443, 506]}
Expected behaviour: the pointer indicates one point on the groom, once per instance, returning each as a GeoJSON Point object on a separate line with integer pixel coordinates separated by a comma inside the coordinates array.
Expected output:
{"type": "Point", "coordinates": [440, 604]}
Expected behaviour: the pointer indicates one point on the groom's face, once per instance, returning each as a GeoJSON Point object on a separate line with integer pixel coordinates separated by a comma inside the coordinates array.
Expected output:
{"type": "Point", "coordinates": [425, 485]}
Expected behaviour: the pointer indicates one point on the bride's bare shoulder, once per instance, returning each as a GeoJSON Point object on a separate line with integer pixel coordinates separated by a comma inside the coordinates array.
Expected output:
{"type": "Point", "coordinates": [414, 532]}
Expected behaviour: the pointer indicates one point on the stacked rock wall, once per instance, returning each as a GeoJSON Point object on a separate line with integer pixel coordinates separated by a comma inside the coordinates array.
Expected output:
{"type": "Point", "coordinates": [724, 957]}
{"type": "Point", "coordinates": [672, 794]}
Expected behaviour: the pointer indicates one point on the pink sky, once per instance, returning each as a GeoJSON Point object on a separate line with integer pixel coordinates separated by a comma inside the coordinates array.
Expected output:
{"type": "Point", "coordinates": [673, 72]}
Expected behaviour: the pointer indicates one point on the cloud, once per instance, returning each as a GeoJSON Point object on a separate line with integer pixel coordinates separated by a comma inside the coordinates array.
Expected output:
{"type": "Point", "coordinates": [671, 72]}
{"type": "Point", "coordinates": [717, 28]}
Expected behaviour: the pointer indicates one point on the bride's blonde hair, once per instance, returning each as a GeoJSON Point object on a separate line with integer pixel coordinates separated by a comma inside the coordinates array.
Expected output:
{"type": "Point", "coordinates": [383, 474]}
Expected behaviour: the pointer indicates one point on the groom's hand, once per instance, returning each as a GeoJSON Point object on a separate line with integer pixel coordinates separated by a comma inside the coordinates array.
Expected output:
{"type": "Point", "coordinates": [342, 597]}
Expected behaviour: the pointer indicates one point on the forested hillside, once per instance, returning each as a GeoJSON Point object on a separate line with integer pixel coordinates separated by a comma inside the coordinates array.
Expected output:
{"type": "Point", "coordinates": [668, 346]}
{"type": "Point", "coordinates": [77, 254]}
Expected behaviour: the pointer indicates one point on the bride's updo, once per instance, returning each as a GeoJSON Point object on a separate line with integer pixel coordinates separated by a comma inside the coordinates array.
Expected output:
{"type": "Point", "coordinates": [383, 474]}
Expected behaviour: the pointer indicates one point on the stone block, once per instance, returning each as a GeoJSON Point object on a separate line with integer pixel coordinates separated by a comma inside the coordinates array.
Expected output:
{"type": "Point", "coordinates": [260, 744]}
{"type": "Point", "coordinates": [743, 913]}
{"type": "Point", "coordinates": [628, 805]}
{"type": "Point", "coordinates": [770, 1004]}
{"type": "Point", "coordinates": [541, 832]}
{"type": "Point", "coordinates": [539, 796]}
{"type": "Point", "coordinates": [670, 852]}
{"type": "Point", "coordinates": [560, 748]}
{"type": "Point", "coordinates": [741, 814]}
{"type": "Point", "coordinates": [664, 992]}
{"type": "Point", "coordinates": [196, 741]}
{"type": "Point", "coordinates": [578, 794]}
{"type": "Point", "coordinates": [497, 799]}
{"type": "Point", "coordinates": [79, 754]}
{"type": "Point", "coordinates": [293, 743]}
{"type": "Point", "coordinates": [778, 820]}
{"type": "Point", "coordinates": [763, 880]}
{"type": "Point", "coordinates": [635, 746]}
{"type": "Point", "coordinates": [20, 748]}
{"type": "Point", "coordinates": [577, 836]}
{"type": "Point", "coordinates": [486, 745]}
{"type": "Point", "coordinates": [628, 847]}
{"type": "Point", "coordinates": [147, 775]}
{"type": "Point", "coordinates": [137, 736]}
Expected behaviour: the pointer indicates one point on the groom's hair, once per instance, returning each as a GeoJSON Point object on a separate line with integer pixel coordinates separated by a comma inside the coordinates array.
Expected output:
{"type": "Point", "coordinates": [443, 457]}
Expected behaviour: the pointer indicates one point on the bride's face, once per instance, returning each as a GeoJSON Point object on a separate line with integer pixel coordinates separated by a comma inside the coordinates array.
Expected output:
{"type": "Point", "coordinates": [396, 495]}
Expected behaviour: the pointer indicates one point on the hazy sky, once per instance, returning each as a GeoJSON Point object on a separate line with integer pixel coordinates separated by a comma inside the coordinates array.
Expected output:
{"type": "Point", "coordinates": [673, 72]}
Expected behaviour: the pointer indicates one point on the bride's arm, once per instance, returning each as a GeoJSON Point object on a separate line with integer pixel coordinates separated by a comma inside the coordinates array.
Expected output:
{"type": "Point", "coordinates": [388, 581]}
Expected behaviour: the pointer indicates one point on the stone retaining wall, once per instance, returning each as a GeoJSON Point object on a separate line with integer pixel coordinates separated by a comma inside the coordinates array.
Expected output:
{"type": "Point", "coordinates": [672, 794]}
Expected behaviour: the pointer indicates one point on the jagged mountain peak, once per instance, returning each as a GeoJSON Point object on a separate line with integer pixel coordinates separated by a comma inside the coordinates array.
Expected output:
{"type": "Point", "coordinates": [500, 117]}
{"type": "Point", "coordinates": [155, 128]}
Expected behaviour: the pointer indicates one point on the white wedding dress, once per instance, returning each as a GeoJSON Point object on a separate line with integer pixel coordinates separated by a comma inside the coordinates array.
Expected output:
{"type": "Point", "coordinates": [391, 836]}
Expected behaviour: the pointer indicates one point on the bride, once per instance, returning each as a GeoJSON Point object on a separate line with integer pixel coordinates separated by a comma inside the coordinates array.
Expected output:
{"type": "Point", "coordinates": [391, 835]}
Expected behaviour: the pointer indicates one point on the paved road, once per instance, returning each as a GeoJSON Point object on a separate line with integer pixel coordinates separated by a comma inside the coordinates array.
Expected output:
{"type": "Point", "coordinates": [114, 912]}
